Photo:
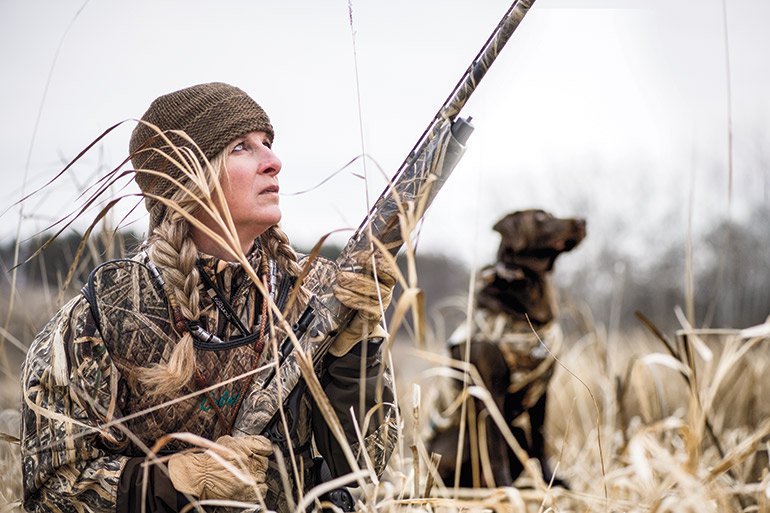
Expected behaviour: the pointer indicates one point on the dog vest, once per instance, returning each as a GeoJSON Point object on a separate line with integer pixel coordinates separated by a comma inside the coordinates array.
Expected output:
{"type": "Point", "coordinates": [530, 355]}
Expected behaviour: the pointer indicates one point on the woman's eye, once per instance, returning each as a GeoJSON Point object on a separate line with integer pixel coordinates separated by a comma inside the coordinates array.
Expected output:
{"type": "Point", "coordinates": [238, 147]}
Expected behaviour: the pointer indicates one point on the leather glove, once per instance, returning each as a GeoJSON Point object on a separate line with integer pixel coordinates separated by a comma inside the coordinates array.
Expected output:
{"type": "Point", "coordinates": [204, 476]}
{"type": "Point", "coordinates": [356, 288]}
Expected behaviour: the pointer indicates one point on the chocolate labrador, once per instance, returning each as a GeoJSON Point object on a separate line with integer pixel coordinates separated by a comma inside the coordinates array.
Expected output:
{"type": "Point", "coordinates": [513, 337]}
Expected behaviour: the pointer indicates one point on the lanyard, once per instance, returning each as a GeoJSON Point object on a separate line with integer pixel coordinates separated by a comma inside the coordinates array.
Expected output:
{"type": "Point", "coordinates": [222, 304]}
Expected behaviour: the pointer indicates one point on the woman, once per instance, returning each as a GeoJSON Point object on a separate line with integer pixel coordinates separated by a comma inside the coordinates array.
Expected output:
{"type": "Point", "coordinates": [185, 316]}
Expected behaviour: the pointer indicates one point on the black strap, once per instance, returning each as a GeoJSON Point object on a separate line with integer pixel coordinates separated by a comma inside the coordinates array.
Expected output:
{"type": "Point", "coordinates": [223, 304]}
{"type": "Point", "coordinates": [213, 343]}
{"type": "Point", "coordinates": [282, 294]}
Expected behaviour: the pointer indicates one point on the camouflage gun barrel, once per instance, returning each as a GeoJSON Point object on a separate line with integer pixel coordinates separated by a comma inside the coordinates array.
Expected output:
{"type": "Point", "coordinates": [417, 182]}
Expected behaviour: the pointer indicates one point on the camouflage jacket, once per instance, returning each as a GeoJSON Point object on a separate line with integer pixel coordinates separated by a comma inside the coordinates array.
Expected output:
{"type": "Point", "coordinates": [86, 418]}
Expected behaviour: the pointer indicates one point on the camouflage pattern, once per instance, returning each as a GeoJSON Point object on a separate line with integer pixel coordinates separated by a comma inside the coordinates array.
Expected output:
{"type": "Point", "coordinates": [525, 352]}
{"type": "Point", "coordinates": [277, 477]}
{"type": "Point", "coordinates": [267, 393]}
{"type": "Point", "coordinates": [80, 374]}
{"type": "Point", "coordinates": [379, 445]}
{"type": "Point", "coordinates": [136, 329]}
{"type": "Point", "coordinates": [484, 59]}
{"type": "Point", "coordinates": [71, 387]}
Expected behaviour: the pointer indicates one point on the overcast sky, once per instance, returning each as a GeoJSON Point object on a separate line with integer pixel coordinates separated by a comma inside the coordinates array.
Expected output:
{"type": "Point", "coordinates": [613, 110]}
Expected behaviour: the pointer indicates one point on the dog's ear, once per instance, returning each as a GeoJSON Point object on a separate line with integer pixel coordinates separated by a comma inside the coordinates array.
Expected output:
{"type": "Point", "coordinates": [512, 232]}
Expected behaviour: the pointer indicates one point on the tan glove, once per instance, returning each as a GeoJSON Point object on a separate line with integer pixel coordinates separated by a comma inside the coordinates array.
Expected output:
{"type": "Point", "coordinates": [204, 476]}
{"type": "Point", "coordinates": [356, 288]}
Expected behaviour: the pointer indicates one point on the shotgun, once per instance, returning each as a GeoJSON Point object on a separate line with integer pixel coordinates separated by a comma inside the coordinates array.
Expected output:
{"type": "Point", "coordinates": [416, 183]}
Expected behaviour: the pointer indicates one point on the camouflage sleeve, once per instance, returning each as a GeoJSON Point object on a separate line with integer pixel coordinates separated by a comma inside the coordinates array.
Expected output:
{"type": "Point", "coordinates": [319, 274]}
{"type": "Point", "coordinates": [343, 380]}
{"type": "Point", "coordinates": [70, 389]}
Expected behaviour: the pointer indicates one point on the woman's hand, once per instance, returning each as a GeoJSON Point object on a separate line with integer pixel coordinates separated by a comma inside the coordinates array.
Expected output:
{"type": "Point", "coordinates": [361, 288]}
{"type": "Point", "coordinates": [213, 474]}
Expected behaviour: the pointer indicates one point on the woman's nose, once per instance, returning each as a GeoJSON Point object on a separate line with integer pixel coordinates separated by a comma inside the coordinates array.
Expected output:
{"type": "Point", "coordinates": [271, 165]}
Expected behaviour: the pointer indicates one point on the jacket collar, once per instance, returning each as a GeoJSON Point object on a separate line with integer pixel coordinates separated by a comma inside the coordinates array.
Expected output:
{"type": "Point", "coordinates": [230, 273]}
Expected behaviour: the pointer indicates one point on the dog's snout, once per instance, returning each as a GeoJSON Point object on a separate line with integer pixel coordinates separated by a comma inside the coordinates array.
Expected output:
{"type": "Point", "coordinates": [577, 229]}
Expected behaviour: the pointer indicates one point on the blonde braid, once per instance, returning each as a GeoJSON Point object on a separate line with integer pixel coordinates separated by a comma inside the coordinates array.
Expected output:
{"type": "Point", "coordinates": [276, 244]}
{"type": "Point", "coordinates": [173, 251]}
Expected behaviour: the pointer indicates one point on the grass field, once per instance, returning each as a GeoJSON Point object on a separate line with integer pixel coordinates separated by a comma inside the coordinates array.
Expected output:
{"type": "Point", "coordinates": [629, 432]}
{"type": "Point", "coordinates": [631, 428]}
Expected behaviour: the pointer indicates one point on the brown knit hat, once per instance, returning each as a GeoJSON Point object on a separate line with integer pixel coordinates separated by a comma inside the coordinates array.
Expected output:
{"type": "Point", "coordinates": [211, 114]}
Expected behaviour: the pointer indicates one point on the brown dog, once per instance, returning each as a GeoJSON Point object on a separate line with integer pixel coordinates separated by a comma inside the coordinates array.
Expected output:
{"type": "Point", "coordinates": [510, 357]}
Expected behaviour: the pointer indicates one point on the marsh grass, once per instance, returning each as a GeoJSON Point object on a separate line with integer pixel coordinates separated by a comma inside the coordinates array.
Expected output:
{"type": "Point", "coordinates": [657, 452]}
{"type": "Point", "coordinates": [631, 424]}
{"type": "Point", "coordinates": [10, 463]}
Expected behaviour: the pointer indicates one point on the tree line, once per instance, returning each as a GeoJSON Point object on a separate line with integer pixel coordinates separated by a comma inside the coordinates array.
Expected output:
{"type": "Point", "coordinates": [729, 277]}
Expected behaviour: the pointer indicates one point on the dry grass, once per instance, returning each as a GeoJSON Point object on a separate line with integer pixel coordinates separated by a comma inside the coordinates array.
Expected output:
{"type": "Point", "coordinates": [658, 455]}
{"type": "Point", "coordinates": [633, 426]}
{"type": "Point", "coordinates": [10, 462]}
{"type": "Point", "coordinates": [629, 425]}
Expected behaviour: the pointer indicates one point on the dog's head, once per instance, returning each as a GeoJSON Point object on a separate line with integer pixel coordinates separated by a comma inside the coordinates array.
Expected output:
{"type": "Point", "coordinates": [532, 239]}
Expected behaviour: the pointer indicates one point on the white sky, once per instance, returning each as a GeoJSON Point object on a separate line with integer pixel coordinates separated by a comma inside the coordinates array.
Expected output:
{"type": "Point", "coordinates": [607, 109]}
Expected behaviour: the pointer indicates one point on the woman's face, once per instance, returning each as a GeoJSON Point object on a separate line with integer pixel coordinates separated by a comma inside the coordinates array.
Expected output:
{"type": "Point", "coordinates": [250, 185]}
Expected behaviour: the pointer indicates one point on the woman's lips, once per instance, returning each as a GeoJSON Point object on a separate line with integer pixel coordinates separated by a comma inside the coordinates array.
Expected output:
{"type": "Point", "coordinates": [273, 189]}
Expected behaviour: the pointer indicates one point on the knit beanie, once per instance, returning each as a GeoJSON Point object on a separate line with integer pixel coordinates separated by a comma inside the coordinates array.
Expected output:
{"type": "Point", "coordinates": [212, 115]}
